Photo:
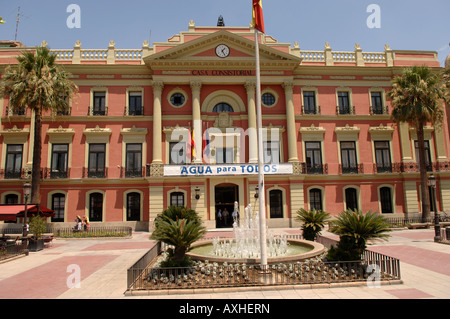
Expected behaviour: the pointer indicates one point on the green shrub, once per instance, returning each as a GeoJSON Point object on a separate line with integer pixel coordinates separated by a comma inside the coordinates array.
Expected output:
{"type": "Point", "coordinates": [38, 226]}
{"type": "Point", "coordinates": [312, 222]}
{"type": "Point", "coordinates": [355, 229]}
{"type": "Point", "coordinates": [179, 227]}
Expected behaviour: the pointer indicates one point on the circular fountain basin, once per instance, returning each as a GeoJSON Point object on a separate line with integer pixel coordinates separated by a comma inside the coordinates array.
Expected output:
{"type": "Point", "coordinates": [298, 250]}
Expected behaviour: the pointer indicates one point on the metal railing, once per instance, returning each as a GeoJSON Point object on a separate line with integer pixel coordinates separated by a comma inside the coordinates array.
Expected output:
{"type": "Point", "coordinates": [10, 250]}
{"type": "Point", "coordinates": [93, 231]}
{"type": "Point", "coordinates": [141, 276]}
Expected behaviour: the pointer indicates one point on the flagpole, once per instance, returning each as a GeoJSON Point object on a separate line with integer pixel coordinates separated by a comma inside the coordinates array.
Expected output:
{"type": "Point", "coordinates": [262, 205]}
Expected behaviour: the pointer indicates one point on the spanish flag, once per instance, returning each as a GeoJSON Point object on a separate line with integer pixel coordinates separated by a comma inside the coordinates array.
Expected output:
{"type": "Point", "coordinates": [258, 18]}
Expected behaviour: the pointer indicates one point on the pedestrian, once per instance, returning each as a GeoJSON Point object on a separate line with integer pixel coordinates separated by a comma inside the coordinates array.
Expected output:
{"type": "Point", "coordinates": [226, 215]}
{"type": "Point", "coordinates": [219, 217]}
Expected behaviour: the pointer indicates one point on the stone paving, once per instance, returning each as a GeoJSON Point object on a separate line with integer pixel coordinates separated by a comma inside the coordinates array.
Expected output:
{"type": "Point", "coordinates": [102, 264]}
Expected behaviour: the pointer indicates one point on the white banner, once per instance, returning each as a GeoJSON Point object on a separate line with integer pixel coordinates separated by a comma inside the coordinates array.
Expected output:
{"type": "Point", "coordinates": [226, 169]}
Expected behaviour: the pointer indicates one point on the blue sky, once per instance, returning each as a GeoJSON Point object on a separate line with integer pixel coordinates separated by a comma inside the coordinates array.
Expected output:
{"type": "Point", "coordinates": [405, 24]}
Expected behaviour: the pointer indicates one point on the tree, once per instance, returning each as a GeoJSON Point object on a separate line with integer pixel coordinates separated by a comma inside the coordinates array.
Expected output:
{"type": "Point", "coordinates": [312, 222]}
{"type": "Point", "coordinates": [41, 85]}
{"type": "Point", "coordinates": [179, 227]}
{"type": "Point", "coordinates": [355, 229]}
{"type": "Point", "coordinates": [417, 99]}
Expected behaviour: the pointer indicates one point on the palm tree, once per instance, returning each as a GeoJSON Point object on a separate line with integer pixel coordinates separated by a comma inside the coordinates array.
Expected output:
{"type": "Point", "coordinates": [179, 227]}
{"type": "Point", "coordinates": [312, 222]}
{"type": "Point", "coordinates": [355, 229]}
{"type": "Point", "coordinates": [417, 98]}
{"type": "Point", "coordinates": [38, 83]}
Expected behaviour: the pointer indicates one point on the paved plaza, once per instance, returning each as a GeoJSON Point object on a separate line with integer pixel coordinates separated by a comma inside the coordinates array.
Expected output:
{"type": "Point", "coordinates": [102, 265]}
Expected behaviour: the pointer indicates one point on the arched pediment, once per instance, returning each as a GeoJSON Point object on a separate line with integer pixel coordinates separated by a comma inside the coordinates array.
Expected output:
{"type": "Point", "coordinates": [223, 96]}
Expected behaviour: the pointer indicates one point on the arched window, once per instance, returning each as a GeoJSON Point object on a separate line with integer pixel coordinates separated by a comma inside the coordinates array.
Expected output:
{"type": "Point", "coordinates": [177, 199]}
{"type": "Point", "coordinates": [133, 207]}
{"type": "Point", "coordinates": [276, 203]}
{"type": "Point", "coordinates": [58, 204]}
{"type": "Point", "coordinates": [351, 198]}
{"type": "Point", "coordinates": [315, 199]}
{"type": "Point", "coordinates": [96, 207]}
{"type": "Point", "coordinates": [223, 107]}
{"type": "Point", "coordinates": [386, 200]}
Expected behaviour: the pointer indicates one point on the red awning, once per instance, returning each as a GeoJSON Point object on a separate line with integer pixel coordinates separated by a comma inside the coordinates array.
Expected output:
{"type": "Point", "coordinates": [11, 212]}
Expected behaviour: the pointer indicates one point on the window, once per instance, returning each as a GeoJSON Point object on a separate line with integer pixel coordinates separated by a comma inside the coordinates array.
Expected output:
{"type": "Point", "coordinates": [348, 158]}
{"type": "Point", "coordinates": [351, 198]}
{"type": "Point", "coordinates": [11, 199]}
{"type": "Point", "coordinates": [96, 207]}
{"type": "Point", "coordinates": [223, 107]}
{"type": "Point", "coordinates": [343, 103]}
{"type": "Point", "coordinates": [268, 99]}
{"type": "Point", "coordinates": [386, 200]}
{"type": "Point", "coordinates": [96, 160]}
{"type": "Point", "coordinates": [177, 199]}
{"type": "Point", "coordinates": [271, 152]}
{"type": "Point", "coordinates": [224, 155]}
{"type": "Point", "coordinates": [177, 99]}
{"type": "Point", "coordinates": [427, 154]}
{"type": "Point", "coordinates": [177, 153]}
{"type": "Point", "coordinates": [59, 160]}
{"type": "Point", "coordinates": [58, 203]}
{"type": "Point", "coordinates": [276, 203]}
{"type": "Point", "coordinates": [315, 199]}
{"type": "Point", "coordinates": [309, 102]}
{"type": "Point", "coordinates": [133, 165]}
{"type": "Point", "coordinates": [383, 156]}
{"type": "Point", "coordinates": [313, 154]}
{"type": "Point", "coordinates": [99, 103]}
{"type": "Point", "coordinates": [377, 103]}
{"type": "Point", "coordinates": [135, 103]}
{"type": "Point", "coordinates": [13, 161]}
{"type": "Point", "coordinates": [133, 207]}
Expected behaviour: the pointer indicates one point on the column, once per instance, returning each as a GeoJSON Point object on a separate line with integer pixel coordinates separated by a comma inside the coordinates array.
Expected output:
{"type": "Point", "coordinates": [196, 87]}
{"type": "Point", "coordinates": [157, 122]}
{"type": "Point", "coordinates": [290, 119]}
{"type": "Point", "coordinates": [252, 129]}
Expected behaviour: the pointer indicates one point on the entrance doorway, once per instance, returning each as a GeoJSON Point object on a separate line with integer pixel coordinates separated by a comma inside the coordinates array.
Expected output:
{"type": "Point", "coordinates": [225, 196]}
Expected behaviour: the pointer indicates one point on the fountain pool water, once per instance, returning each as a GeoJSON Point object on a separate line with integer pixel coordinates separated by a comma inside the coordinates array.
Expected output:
{"type": "Point", "coordinates": [245, 247]}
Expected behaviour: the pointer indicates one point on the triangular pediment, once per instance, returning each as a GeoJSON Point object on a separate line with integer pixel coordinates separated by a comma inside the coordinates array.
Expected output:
{"type": "Point", "coordinates": [202, 51]}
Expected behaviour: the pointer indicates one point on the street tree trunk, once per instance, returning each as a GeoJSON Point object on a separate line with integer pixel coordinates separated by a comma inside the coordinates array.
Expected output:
{"type": "Point", "coordinates": [36, 174]}
{"type": "Point", "coordinates": [423, 175]}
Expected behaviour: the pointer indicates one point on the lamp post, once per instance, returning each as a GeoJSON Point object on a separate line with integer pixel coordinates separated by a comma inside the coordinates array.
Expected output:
{"type": "Point", "coordinates": [26, 195]}
{"type": "Point", "coordinates": [437, 227]}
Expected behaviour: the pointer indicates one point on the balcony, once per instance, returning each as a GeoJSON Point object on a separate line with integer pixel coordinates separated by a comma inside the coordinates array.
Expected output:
{"type": "Point", "coordinates": [317, 169]}
{"type": "Point", "coordinates": [95, 172]}
{"type": "Point", "coordinates": [351, 169]}
{"type": "Point", "coordinates": [49, 173]}
{"type": "Point", "coordinates": [97, 111]}
{"type": "Point", "coordinates": [345, 110]}
{"type": "Point", "coordinates": [311, 111]}
{"type": "Point", "coordinates": [134, 111]}
{"type": "Point", "coordinates": [132, 172]}
{"type": "Point", "coordinates": [384, 168]}
{"type": "Point", "coordinates": [12, 174]}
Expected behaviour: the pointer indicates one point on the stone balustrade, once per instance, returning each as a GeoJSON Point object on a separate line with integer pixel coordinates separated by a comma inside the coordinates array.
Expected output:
{"type": "Point", "coordinates": [328, 57]}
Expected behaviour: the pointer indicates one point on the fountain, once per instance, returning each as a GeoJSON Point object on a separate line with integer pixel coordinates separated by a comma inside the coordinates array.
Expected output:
{"type": "Point", "coordinates": [246, 247]}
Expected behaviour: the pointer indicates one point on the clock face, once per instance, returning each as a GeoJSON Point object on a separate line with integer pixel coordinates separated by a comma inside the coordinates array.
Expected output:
{"type": "Point", "coordinates": [222, 51]}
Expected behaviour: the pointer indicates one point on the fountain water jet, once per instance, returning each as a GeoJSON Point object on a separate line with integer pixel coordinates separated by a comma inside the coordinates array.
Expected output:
{"type": "Point", "coordinates": [246, 246]}
{"type": "Point", "coordinates": [246, 243]}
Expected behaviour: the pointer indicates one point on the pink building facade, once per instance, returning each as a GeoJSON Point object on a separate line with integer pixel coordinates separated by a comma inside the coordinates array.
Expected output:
{"type": "Point", "coordinates": [124, 150]}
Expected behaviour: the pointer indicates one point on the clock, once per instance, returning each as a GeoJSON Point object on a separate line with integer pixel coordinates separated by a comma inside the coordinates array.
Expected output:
{"type": "Point", "coordinates": [222, 51]}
